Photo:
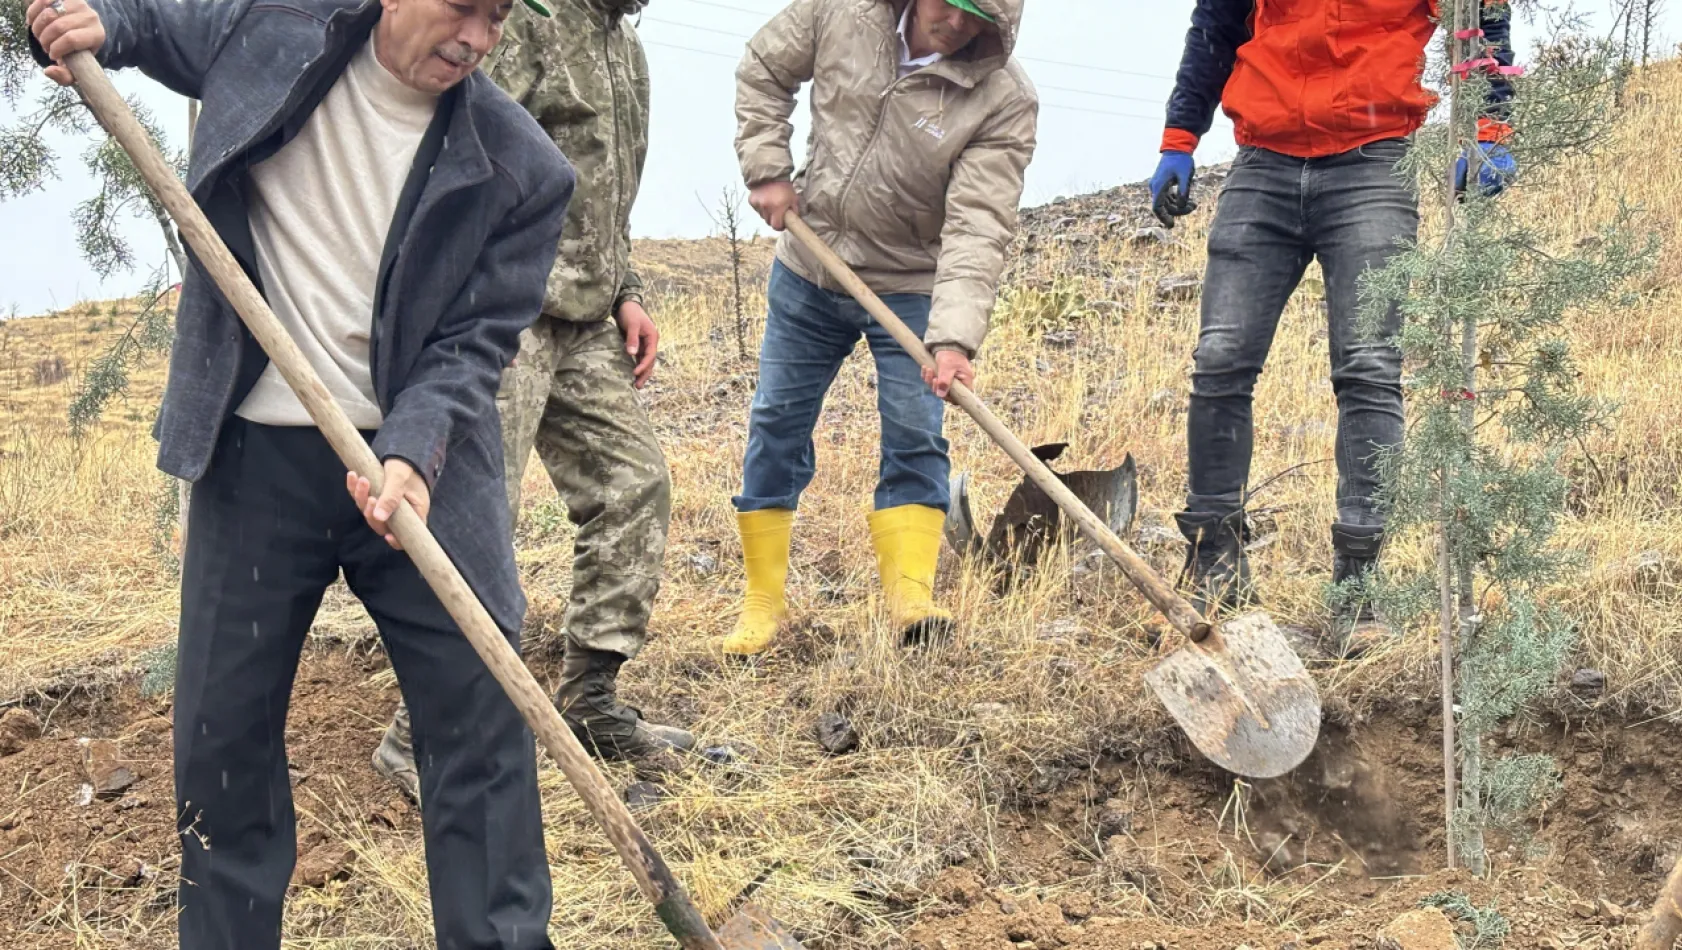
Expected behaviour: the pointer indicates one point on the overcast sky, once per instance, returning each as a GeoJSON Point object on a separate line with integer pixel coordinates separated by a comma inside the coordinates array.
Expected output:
{"type": "Point", "coordinates": [1103, 68]}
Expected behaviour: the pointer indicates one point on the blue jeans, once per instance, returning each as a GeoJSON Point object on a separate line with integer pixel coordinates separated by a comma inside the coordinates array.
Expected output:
{"type": "Point", "coordinates": [809, 332]}
{"type": "Point", "coordinates": [1276, 214]}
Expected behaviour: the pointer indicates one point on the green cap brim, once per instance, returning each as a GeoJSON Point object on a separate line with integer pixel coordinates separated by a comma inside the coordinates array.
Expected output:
{"type": "Point", "coordinates": [968, 6]}
{"type": "Point", "coordinates": [538, 8]}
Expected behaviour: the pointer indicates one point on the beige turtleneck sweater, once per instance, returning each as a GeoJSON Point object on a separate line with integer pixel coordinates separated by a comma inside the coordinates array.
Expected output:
{"type": "Point", "coordinates": [320, 211]}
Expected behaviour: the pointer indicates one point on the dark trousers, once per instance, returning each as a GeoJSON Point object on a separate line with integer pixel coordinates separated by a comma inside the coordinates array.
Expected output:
{"type": "Point", "coordinates": [809, 332]}
{"type": "Point", "coordinates": [271, 526]}
{"type": "Point", "coordinates": [1276, 214]}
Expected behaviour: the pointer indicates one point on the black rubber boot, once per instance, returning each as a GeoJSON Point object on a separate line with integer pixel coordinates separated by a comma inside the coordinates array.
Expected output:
{"type": "Point", "coordinates": [1217, 573]}
{"type": "Point", "coordinates": [1356, 626]}
{"type": "Point", "coordinates": [588, 700]}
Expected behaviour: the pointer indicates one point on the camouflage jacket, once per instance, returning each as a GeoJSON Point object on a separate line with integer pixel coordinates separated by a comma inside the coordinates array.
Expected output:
{"type": "Point", "coordinates": [583, 76]}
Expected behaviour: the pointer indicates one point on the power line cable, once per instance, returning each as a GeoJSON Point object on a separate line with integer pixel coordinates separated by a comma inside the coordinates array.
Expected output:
{"type": "Point", "coordinates": [1043, 105]}
{"type": "Point", "coordinates": [725, 6]}
{"type": "Point", "coordinates": [1096, 69]}
{"type": "Point", "coordinates": [703, 29]}
{"type": "Point", "coordinates": [1152, 100]}
{"type": "Point", "coordinates": [690, 49]}
{"type": "Point", "coordinates": [1073, 89]}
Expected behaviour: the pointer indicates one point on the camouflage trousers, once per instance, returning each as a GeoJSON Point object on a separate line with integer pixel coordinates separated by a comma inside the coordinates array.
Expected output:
{"type": "Point", "coordinates": [569, 396]}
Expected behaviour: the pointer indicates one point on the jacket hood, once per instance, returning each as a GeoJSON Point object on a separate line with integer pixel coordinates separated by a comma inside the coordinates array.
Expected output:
{"type": "Point", "coordinates": [1002, 41]}
{"type": "Point", "coordinates": [994, 46]}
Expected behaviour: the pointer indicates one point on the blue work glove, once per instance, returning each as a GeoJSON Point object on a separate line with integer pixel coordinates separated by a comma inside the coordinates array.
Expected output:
{"type": "Point", "coordinates": [1171, 187]}
{"type": "Point", "coordinates": [1495, 169]}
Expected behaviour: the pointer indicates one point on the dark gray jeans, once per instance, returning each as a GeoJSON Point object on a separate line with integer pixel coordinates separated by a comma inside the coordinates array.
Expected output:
{"type": "Point", "coordinates": [1277, 213]}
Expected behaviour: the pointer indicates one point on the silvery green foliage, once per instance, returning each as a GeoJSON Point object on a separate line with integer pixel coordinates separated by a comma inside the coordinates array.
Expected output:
{"type": "Point", "coordinates": [1490, 927]}
{"type": "Point", "coordinates": [107, 377]}
{"type": "Point", "coordinates": [157, 671]}
{"type": "Point", "coordinates": [28, 163]}
{"type": "Point", "coordinates": [1495, 406]}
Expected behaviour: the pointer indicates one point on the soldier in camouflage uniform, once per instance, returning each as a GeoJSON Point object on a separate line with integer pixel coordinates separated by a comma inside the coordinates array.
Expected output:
{"type": "Point", "coordinates": [571, 392]}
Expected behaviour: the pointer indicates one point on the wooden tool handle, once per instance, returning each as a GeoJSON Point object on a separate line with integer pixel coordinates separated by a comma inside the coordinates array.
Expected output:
{"type": "Point", "coordinates": [653, 877]}
{"type": "Point", "coordinates": [1150, 583]}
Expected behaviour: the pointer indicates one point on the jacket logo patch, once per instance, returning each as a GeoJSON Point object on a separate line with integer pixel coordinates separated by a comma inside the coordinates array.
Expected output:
{"type": "Point", "coordinates": [927, 124]}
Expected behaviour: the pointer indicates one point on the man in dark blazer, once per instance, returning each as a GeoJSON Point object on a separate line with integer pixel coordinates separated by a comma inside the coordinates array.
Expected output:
{"type": "Point", "coordinates": [400, 215]}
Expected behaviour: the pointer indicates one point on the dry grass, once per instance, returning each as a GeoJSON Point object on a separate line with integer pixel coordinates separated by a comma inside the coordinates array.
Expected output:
{"type": "Point", "coordinates": [842, 845]}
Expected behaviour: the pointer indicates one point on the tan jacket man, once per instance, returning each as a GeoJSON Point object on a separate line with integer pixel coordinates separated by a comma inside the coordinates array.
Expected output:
{"type": "Point", "coordinates": [914, 182]}
{"type": "Point", "coordinates": [922, 129]}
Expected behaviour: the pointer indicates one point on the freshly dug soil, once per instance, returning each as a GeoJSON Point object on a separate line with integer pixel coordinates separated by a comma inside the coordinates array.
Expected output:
{"type": "Point", "coordinates": [1121, 855]}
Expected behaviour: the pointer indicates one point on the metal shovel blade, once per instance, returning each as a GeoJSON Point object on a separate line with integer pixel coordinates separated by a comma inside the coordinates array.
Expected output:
{"type": "Point", "coordinates": [754, 929]}
{"type": "Point", "coordinates": [959, 528]}
{"type": "Point", "coordinates": [1243, 697]}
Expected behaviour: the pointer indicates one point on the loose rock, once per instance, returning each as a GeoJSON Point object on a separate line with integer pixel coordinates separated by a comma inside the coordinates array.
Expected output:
{"type": "Point", "coordinates": [1183, 288]}
{"type": "Point", "coordinates": [720, 754]}
{"type": "Point", "coordinates": [1425, 929]}
{"type": "Point", "coordinates": [1063, 668]}
{"type": "Point", "coordinates": [643, 795]}
{"type": "Point", "coordinates": [1587, 683]}
{"type": "Point", "coordinates": [1066, 628]}
{"type": "Point", "coordinates": [1164, 401]}
{"type": "Point", "coordinates": [18, 727]}
{"type": "Point", "coordinates": [836, 734]}
{"type": "Point", "coordinates": [106, 772]}
{"type": "Point", "coordinates": [326, 862]}
{"type": "Point", "coordinates": [1150, 237]}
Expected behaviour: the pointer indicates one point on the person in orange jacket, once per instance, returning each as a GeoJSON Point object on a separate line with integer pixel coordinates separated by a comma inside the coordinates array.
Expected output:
{"type": "Point", "coordinates": [1323, 96]}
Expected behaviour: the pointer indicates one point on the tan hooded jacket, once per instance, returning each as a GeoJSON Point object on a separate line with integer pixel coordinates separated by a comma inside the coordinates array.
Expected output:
{"type": "Point", "coordinates": [915, 182]}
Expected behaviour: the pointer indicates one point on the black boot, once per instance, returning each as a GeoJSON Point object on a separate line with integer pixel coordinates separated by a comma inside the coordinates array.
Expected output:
{"type": "Point", "coordinates": [395, 756]}
{"type": "Point", "coordinates": [589, 702]}
{"type": "Point", "coordinates": [1217, 573]}
{"type": "Point", "coordinates": [1356, 627]}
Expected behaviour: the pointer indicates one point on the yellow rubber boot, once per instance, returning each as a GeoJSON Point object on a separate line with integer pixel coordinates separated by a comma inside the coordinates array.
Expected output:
{"type": "Point", "coordinates": [765, 537]}
{"type": "Point", "coordinates": [907, 542]}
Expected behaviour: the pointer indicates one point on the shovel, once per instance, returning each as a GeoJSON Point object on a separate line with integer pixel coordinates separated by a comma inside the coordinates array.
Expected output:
{"type": "Point", "coordinates": [751, 929]}
{"type": "Point", "coordinates": [1239, 691]}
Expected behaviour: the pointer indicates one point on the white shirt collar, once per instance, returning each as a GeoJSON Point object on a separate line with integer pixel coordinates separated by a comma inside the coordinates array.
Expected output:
{"type": "Point", "coordinates": [908, 64]}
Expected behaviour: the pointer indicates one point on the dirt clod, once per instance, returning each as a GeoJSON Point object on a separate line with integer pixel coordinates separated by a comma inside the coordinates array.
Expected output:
{"type": "Point", "coordinates": [17, 728]}
{"type": "Point", "coordinates": [1115, 818]}
{"type": "Point", "coordinates": [958, 886]}
{"type": "Point", "coordinates": [102, 761]}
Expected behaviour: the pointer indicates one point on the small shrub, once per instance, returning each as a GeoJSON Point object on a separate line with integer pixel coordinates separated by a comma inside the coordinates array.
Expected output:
{"type": "Point", "coordinates": [49, 371]}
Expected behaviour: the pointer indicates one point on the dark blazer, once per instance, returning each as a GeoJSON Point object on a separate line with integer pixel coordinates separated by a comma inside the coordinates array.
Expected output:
{"type": "Point", "coordinates": [465, 263]}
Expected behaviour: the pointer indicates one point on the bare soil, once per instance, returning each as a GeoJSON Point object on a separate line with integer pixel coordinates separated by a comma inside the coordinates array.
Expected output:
{"type": "Point", "coordinates": [1121, 854]}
